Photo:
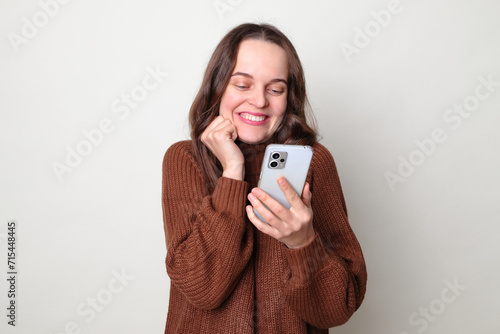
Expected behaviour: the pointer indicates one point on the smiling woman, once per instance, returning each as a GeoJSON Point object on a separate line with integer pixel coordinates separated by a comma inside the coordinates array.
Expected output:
{"type": "Point", "coordinates": [301, 272]}
{"type": "Point", "coordinates": [255, 99]}
{"type": "Point", "coordinates": [222, 68]}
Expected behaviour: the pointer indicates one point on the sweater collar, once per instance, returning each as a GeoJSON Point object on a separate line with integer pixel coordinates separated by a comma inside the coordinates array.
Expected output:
{"type": "Point", "coordinates": [254, 154]}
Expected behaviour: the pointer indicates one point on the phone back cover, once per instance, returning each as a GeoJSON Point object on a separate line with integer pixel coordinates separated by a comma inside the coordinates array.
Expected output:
{"type": "Point", "coordinates": [295, 171]}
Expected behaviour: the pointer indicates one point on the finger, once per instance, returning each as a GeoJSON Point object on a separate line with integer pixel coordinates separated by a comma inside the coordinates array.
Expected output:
{"type": "Point", "coordinates": [223, 130]}
{"type": "Point", "coordinates": [260, 225]}
{"type": "Point", "coordinates": [221, 124]}
{"type": "Point", "coordinates": [307, 195]}
{"type": "Point", "coordinates": [234, 133]}
{"type": "Point", "coordinates": [274, 208]}
{"type": "Point", "coordinates": [208, 130]}
{"type": "Point", "coordinates": [268, 216]}
{"type": "Point", "coordinates": [217, 120]}
{"type": "Point", "coordinates": [226, 127]}
{"type": "Point", "coordinates": [229, 128]}
{"type": "Point", "coordinates": [291, 195]}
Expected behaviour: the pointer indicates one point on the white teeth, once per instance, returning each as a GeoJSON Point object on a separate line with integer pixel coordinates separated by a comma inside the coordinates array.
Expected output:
{"type": "Point", "coordinates": [253, 118]}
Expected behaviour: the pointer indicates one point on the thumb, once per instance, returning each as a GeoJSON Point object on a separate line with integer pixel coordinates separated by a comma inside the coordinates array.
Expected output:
{"type": "Point", "coordinates": [234, 133]}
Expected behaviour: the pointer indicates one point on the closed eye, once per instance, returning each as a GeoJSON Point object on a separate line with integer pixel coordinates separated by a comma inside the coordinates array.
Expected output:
{"type": "Point", "coordinates": [276, 91]}
{"type": "Point", "coordinates": [241, 87]}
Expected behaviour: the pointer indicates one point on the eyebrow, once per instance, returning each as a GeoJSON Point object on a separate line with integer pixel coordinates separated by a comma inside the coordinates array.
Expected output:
{"type": "Point", "coordinates": [251, 77]}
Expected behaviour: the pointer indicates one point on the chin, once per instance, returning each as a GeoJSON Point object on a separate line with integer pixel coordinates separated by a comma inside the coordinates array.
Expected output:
{"type": "Point", "coordinates": [249, 139]}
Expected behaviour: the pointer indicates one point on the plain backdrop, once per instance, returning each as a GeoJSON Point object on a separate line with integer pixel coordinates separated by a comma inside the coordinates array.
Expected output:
{"type": "Point", "coordinates": [407, 98]}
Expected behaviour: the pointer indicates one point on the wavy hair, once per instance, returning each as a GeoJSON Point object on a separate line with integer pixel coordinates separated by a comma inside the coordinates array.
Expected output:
{"type": "Point", "coordinates": [294, 128]}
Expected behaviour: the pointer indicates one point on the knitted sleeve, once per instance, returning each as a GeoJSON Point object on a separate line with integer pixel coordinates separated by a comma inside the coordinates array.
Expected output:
{"type": "Point", "coordinates": [327, 278]}
{"type": "Point", "coordinates": [208, 242]}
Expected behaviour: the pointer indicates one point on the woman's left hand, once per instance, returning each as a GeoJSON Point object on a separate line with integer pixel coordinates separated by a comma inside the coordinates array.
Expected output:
{"type": "Point", "coordinates": [291, 226]}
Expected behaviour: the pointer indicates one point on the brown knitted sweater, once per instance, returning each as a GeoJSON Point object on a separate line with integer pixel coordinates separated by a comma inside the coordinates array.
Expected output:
{"type": "Point", "coordinates": [228, 277]}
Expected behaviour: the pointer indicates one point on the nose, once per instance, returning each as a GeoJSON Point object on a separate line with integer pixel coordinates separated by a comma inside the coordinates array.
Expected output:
{"type": "Point", "coordinates": [258, 98]}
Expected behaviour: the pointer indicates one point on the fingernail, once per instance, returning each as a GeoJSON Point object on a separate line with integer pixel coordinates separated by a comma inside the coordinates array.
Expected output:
{"type": "Point", "coordinates": [281, 181]}
{"type": "Point", "coordinates": [256, 191]}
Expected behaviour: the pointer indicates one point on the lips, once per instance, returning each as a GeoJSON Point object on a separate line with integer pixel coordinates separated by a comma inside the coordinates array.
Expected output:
{"type": "Point", "coordinates": [253, 118]}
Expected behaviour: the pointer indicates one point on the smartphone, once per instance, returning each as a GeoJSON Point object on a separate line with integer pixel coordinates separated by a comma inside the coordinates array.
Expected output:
{"type": "Point", "coordinates": [290, 161]}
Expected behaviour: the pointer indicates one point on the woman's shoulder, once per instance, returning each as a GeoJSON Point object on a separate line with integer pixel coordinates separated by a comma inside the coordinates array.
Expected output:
{"type": "Point", "coordinates": [321, 155]}
{"type": "Point", "coordinates": [324, 171]}
{"type": "Point", "coordinates": [180, 151]}
{"type": "Point", "coordinates": [323, 162]}
{"type": "Point", "coordinates": [181, 147]}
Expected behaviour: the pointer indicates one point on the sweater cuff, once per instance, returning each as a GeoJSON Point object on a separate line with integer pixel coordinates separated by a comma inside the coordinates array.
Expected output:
{"type": "Point", "coordinates": [306, 261]}
{"type": "Point", "coordinates": [230, 196]}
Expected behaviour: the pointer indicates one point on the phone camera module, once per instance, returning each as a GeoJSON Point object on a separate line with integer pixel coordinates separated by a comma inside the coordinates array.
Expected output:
{"type": "Point", "coordinates": [277, 159]}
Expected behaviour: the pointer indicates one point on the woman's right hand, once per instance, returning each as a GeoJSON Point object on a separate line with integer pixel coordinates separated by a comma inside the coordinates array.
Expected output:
{"type": "Point", "coordinates": [219, 137]}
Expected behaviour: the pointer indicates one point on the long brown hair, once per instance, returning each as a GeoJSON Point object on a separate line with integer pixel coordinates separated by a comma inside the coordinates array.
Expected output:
{"type": "Point", "coordinates": [294, 128]}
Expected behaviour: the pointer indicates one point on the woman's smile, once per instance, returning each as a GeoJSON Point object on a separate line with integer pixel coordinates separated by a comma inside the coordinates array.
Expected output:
{"type": "Point", "coordinates": [255, 99]}
{"type": "Point", "coordinates": [252, 118]}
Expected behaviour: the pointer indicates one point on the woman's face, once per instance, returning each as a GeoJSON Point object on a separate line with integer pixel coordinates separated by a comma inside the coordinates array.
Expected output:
{"type": "Point", "coordinates": [255, 98]}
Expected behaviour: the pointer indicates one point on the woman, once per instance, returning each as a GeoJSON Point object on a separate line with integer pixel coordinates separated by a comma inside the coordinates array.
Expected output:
{"type": "Point", "coordinates": [231, 273]}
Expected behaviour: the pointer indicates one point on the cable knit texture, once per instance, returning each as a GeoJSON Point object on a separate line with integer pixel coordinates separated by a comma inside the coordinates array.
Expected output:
{"type": "Point", "coordinates": [228, 277]}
